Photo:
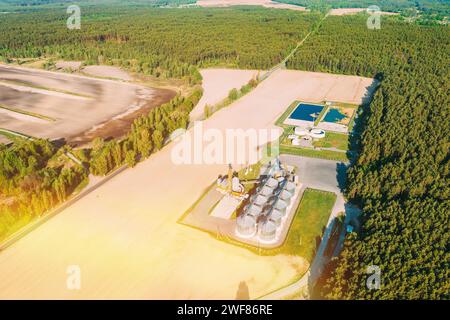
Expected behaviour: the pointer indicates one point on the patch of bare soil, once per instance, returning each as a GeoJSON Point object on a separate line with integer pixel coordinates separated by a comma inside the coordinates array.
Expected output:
{"type": "Point", "coordinates": [264, 3]}
{"type": "Point", "coordinates": [119, 126]}
{"type": "Point", "coordinates": [346, 11]}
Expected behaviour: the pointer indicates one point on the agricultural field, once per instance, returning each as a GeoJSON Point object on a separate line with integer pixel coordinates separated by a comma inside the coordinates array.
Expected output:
{"type": "Point", "coordinates": [217, 84]}
{"type": "Point", "coordinates": [148, 218]}
{"type": "Point", "coordinates": [106, 187]}
{"type": "Point", "coordinates": [263, 3]}
{"type": "Point", "coordinates": [74, 108]}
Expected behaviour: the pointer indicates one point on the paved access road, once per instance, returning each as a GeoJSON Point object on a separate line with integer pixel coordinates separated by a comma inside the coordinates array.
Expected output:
{"type": "Point", "coordinates": [324, 175]}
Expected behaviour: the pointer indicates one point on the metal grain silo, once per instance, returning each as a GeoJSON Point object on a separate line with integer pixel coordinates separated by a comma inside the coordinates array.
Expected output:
{"type": "Point", "coordinates": [268, 231]}
{"type": "Point", "coordinates": [245, 226]}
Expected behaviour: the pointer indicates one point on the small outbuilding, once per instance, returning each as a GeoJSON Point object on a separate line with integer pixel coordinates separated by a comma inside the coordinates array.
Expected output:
{"type": "Point", "coordinates": [299, 131]}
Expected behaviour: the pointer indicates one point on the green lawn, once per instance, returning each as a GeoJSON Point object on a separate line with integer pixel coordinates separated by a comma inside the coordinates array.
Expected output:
{"type": "Point", "coordinates": [321, 115]}
{"type": "Point", "coordinates": [285, 114]}
{"type": "Point", "coordinates": [333, 140]}
{"type": "Point", "coordinates": [322, 154]}
{"type": "Point", "coordinates": [310, 220]}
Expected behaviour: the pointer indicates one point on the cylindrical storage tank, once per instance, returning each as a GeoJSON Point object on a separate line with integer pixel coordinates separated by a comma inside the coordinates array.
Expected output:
{"type": "Point", "coordinates": [268, 231]}
{"type": "Point", "coordinates": [245, 226]}
{"type": "Point", "coordinates": [282, 213]}
{"type": "Point", "coordinates": [281, 206]}
{"type": "Point", "coordinates": [253, 211]}
{"type": "Point", "coordinates": [266, 191]}
{"type": "Point", "coordinates": [276, 217]}
{"type": "Point", "coordinates": [272, 183]}
{"type": "Point", "coordinates": [317, 133]}
{"type": "Point", "coordinates": [260, 200]}
{"type": "Point", "coordinates": [290, 187]}
{"type": "Point", "coordinates": [300, 131]}
{"type": "Point", "coordinates": [286, 196]}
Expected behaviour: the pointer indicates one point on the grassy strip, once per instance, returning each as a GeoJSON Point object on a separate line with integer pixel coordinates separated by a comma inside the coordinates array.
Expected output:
{"type": "Point", "coordinates": [282, 118]}
{"type": "Point", "coordinates": [7, 135]}
{"type": "Point", "coordinates": [310, 222]}
{"type": "Point", "coordinates": [352, 121]}
{"type": "Point", "coordinates": [233, 95]}
{"type": "Point", "coordinates": [11, 135]}
{"type": "Point", "coordinates": [321, 115]}
{"type": "Point", "coordinates": [27, 113]}
{"type": "Point", "coordinates": [321, 154]}
{"type": "Point", "coordinates": [333, 140]}
{"type": "Point", "coordinates": [29, 85]}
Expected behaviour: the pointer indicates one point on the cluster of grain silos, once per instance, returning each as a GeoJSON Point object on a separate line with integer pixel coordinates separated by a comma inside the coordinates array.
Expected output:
{"type": "Point", "coordinates": [264, 215]}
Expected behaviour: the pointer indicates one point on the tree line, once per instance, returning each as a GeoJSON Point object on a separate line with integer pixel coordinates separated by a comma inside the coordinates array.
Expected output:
{"type": "Point", "coordinates": [34, 177]}
{"type": "Point", "coordinates": [147, 135]}
{"type": "Point", "coordinates": [400, 178]}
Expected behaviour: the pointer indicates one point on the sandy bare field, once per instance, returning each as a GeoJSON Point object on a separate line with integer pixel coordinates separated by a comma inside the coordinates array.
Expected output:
{"type": "Point", "coordinates": [346, 11]}
{"type": "Point", "coordinates": [78, 104]}
{"type": "Point", "coordinates": [217, 83]}
{"type": "Point", "coordinates": [107, 72]}
{"type": "Point", "coordinates": [264, 3]}
{"type": "Point", "coordinates": [124, 236]}
{"type": "Point", "coordinates": [68, 65]}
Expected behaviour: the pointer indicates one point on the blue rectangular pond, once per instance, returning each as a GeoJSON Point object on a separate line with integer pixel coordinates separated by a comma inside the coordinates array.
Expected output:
{"type": "Point", "coordinates": [334, 116]}
{"type": "Point", "coordinates": [306, 112]}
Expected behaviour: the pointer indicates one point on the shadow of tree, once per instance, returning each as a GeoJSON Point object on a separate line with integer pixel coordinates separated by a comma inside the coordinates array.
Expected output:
{"type": "Point", "coordinates": [361, 118]}
{"type": "Point", "coordinates": [242, 291]}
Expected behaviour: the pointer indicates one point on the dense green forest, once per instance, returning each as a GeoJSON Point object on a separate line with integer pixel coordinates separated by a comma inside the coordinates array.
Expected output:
{"type": "Point", "coordinates": [400, 178]}
{"type": "Point", "coordinates": [160, 42]}
{"type": "Point", "coordinates": [34, 177]}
